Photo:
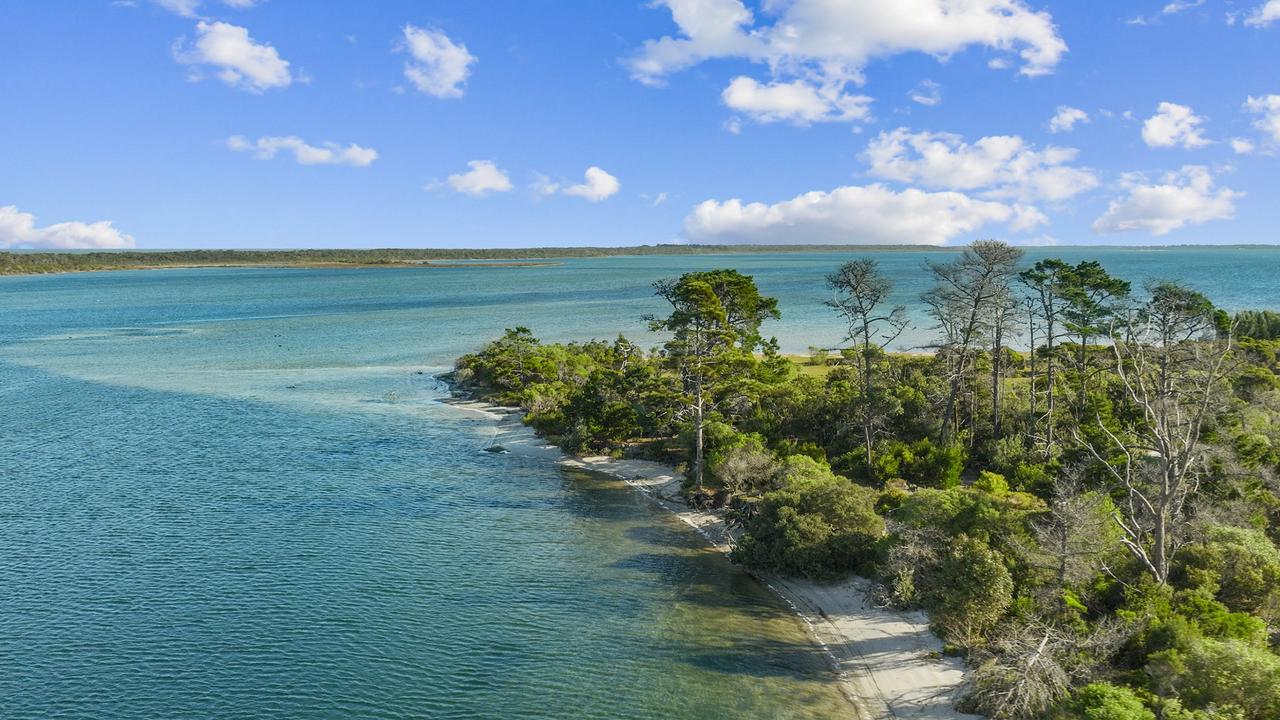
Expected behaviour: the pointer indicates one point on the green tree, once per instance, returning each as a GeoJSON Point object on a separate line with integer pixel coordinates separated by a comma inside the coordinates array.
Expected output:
{"type": "Point", "coordinates": [1092, 295]}
{"type": "Point", "coordinates": [1047, 282]}
{"type": "Point", "coordinates": [715, 325]}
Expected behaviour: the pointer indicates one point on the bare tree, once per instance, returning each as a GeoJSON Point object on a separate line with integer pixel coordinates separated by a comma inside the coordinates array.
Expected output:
{"type": "Point", "coordinates": [967, 288]}
{"type": "Point", "coordinates": [1170, 364]}
{"type": "Point", "coordinates": [1072, 538]}
{"type": "Point", "coordinates": [861, 293]}
{"type": "Point", "coordinates": [1036, 665]}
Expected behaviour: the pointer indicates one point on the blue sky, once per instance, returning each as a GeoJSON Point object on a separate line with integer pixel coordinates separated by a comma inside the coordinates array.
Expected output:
{"type": "Point", "coordinates": [286, 123]}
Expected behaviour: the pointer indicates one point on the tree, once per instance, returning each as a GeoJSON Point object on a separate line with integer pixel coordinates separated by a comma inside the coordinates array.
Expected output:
{"type": "Point", "coordinates": [1170, 364]}
{"type": "Point", "coordinates": [1091, 295]}
{"type": "Point", "coordinates": [1047, 282]}
{"type": "Point", "coordinates": [1072, 539]}
{"type": "Point", "coordinates": [715, 324]}
{"type": "Point", "coordinates": [861, 293]}
{"type": "Point", "coordinates": [966, 291]}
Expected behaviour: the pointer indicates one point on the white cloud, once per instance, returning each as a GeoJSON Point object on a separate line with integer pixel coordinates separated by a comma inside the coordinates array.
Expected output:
{"type": "Point", "coordinates": [1173, 124]}
{"type": "Point", "coordinates": [835, 39]}
{"type": "Point", "coordinates": [18, 230]}
{"type": "Point", "coordinates": [854, 215]}
{"type": "Point", "coordinates": [1001, 166]}
{"type": "Point", "coordinates": [928, 93]}
{"type": "Point", "coordinates": [598, 185]}
{"type": "Point", "coordinates": [1185, 197]}
{"type": "Point", "coordinates": [1268, 107]}
{"type": "Point", "coordinates": [239, 61]}
{"type": "Point", "coordinates": [797, 102]}
{"type": "Point", "coordinates": [1242, 146]}
{"type": "Point", "coordinates": [439, 66]}
{"type": "Point", "coordinates": [1066, 118]}
{"type": "Point", "coordinates": [190, 8]}
{"type": "Point", "coordinates": [1171, 8]}
{"type": "Point", "coordinates": [1264, 15]}
{"type": "Point", "coordinates": [265, 148]}
{"type": "Point", "coordinates": [660, 198]}
{"type": "Point", "coordinates": [483, 178]}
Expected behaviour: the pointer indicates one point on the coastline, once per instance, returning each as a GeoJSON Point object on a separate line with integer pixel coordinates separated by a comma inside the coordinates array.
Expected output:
{"type": "Point", "coordinates": [889, 663]}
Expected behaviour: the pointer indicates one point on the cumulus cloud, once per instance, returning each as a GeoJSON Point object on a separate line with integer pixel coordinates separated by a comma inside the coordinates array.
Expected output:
{"type": "Point", "coordinates": [482, 178]}
{"type": "Point", "coordinates": [329, 153]}
{"type": "Point", "coordinates": [1066, 118]}
{"type": "Point", "coordinates": [1185, 197]}
{"type": "Point", "coordinates": [835, 39]}
{"type": "Point", "coordinates": [1000, 166]}
{"type": "Point", "coordinates": [18, 230]}
{"type": "Point", "coordinates": [438, 66]}
{"type": "Point", "coordinates": [1173, 124]}
{"type": "Point", "coordinates": [854, 215]}
{"type": "Point", "coordinates": [1264, 15]}
{"type": "Point", "coordinates": [1242, 146]}
{"type": "Point", "coordinates": [236, 58]}
{"type": "Point", "coordinates": [797, 102]}
{"type": "Point", "coordinates": [597, 185]}
{"type": "Point", "coordinates": [1267, 108]}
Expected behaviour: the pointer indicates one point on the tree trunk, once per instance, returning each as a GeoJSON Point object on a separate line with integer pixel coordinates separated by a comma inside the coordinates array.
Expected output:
{"type": "Point", "coordinates": [995, 383]}
{"type": "Point", "coordinates": [697, 440]}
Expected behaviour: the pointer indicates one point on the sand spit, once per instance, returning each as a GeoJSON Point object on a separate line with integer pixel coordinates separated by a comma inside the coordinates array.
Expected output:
{"type": "Point", "coordinates": [889, 661]}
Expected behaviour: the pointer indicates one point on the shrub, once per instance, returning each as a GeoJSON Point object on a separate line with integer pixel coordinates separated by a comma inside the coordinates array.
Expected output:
{"type": "Point", "coordinates": [1104, 701]}
{"type": "Point", "coordinates": [1220, 673]}
{"type": "Point", "coordinates": [1240, 566]}
{"type": "Point", "coordinates": [818, 525]}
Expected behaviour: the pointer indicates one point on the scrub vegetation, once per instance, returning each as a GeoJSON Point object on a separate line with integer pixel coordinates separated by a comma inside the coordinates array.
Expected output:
{"type": "Point", "coordinates": [1078, 484]}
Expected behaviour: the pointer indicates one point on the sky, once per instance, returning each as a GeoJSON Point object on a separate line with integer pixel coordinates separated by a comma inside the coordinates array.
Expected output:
{"type": "Point", "coordinates": [168, 124]}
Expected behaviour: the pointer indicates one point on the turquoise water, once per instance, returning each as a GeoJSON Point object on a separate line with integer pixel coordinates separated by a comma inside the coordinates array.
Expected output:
{"type": "Point", "coordinates": [234, 493]}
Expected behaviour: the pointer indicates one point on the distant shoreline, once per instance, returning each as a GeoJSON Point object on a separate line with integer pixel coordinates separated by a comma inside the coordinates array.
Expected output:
{"type": "Point", "coordinates": [38, 262]}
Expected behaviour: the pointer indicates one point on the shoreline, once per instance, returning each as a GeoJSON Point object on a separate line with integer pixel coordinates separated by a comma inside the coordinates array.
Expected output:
{"type": "Point", "coordinates": [889, 664]}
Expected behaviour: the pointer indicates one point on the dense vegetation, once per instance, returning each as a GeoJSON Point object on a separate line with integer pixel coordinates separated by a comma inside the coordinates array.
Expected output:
{"type": "Point", "coordinates": [1092, 522]}
{"type": "Point", "coordinates": [25, 263]}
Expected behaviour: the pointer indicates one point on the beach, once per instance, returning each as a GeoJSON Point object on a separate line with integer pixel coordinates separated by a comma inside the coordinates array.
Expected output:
{"type": "Point", "coordinates": [889, 663]}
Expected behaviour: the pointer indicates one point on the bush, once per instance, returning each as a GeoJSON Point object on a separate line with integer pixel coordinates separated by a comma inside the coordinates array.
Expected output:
{"type": "Point", "coordinates": [920, 463]}
{"type": "Point", "coordinates": [969, 592]}
{"type": "Point", "coordinates": [1104, 701]}
{"type": "Point", "coordinates": [819, 525]}
{"type": "Point", "coordinates": [1220, 673]}
{"type": "Point", "coordinates": [1240, 566]}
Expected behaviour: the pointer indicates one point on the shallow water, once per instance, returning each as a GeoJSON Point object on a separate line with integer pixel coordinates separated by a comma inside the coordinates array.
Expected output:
{"type": "Point", "coordinates": [234, 493]}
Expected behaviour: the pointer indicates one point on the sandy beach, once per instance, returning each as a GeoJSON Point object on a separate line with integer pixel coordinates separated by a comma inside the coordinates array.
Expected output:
{"type": "Point", "coordinates": [890, 663]}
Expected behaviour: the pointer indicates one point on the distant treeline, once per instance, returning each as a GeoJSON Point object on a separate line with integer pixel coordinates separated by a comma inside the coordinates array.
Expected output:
{"type": "Point", "coordinates": [22, 263]}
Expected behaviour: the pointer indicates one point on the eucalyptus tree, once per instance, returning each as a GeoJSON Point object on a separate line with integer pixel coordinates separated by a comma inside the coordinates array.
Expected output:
{"type": "Point", "coordinates": [715, 326]}
{"type": "Point", "coordinates": [963, 300]}
{"type": "Point", "coordinates": [861, 296]}
{"type": "Point", "coordinates": [1171, 363]}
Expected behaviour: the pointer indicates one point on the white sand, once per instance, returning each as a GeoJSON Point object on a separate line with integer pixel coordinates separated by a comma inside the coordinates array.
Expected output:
{"type": "Point", "coordinates": [890, 662]}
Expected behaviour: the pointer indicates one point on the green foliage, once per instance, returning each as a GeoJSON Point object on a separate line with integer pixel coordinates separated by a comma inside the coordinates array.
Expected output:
{"type": "Point", "coordinates": [1240, 567]}
{"type": "Point", "coordinates": [920, 463]}
{"type": "Point", "coordinates": [1220, 673]}
{"type": "Point", "coordinates": [818, 525]}
{"type": "Point", "coordinates": [969, 592]}
{"type": "Point", "coordinates": [1258, 324]}
{"type": "Point", "coordinates": [1104, 701]}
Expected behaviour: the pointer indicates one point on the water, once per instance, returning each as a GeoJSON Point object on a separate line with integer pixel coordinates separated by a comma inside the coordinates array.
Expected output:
{"type": "Point", "coordinates": [234, 493]}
